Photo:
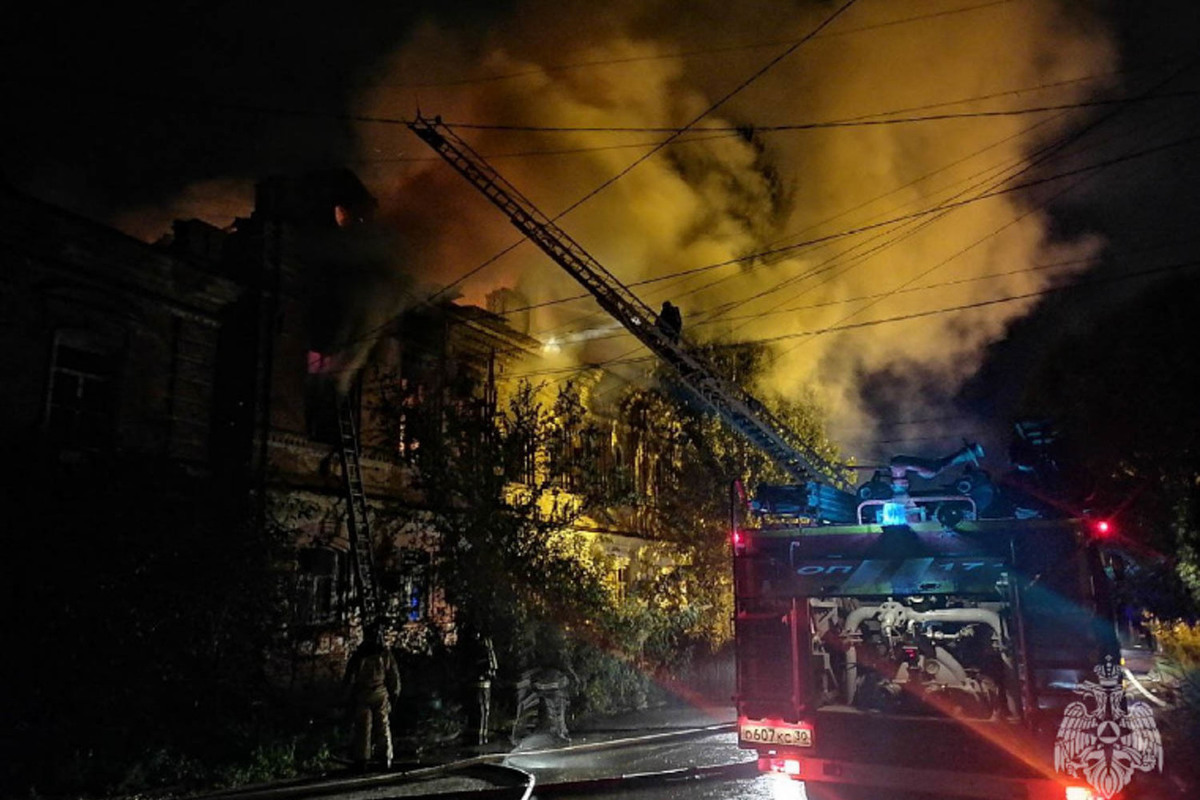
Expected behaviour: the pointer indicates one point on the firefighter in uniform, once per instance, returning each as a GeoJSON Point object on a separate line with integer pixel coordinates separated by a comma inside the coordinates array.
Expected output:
{"type": "Point", "coordinates": [373, 683]}
{"type": "Point", "coordinates": [484, 667]}
{"type": "Point", "coordinates": [670, 320]}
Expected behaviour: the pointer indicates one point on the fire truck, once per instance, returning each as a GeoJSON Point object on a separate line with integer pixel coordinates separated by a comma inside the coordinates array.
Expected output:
{"type": "Point", "coordinates": [934, 643]}
{"type": "Point", "coordinates": [886, 636]}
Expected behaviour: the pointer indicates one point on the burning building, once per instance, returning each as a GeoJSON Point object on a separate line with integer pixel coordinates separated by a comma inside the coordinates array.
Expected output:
{"type": "Point", "coordinates": [226, 351]}
{"type": "Point", "coordinates": [331, 322]}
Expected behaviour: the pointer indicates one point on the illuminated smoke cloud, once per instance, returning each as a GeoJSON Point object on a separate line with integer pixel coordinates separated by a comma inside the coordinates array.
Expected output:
{"type": "Point", "coordinates": [711, 200]}
{"type": "Point", "coordinates": [717, 199]}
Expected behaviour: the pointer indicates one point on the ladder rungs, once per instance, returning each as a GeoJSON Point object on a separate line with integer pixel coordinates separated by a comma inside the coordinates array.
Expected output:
{"type": "Point", "coordinates": [357, 516]}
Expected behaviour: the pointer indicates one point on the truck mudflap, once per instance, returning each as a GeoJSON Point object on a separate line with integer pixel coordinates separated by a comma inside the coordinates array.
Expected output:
{"type": "Point", "coordinates": [976, 786]}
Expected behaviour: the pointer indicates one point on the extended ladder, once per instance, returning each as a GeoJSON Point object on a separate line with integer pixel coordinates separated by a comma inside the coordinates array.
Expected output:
{"type": "Point", "coordinates": [357, 520]}
{"type": "Point", "coordinates": [738, 408]}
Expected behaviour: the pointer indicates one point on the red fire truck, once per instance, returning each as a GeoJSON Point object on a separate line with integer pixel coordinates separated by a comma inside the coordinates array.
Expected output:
{"type": "Point", "coordinates": [925, 646]}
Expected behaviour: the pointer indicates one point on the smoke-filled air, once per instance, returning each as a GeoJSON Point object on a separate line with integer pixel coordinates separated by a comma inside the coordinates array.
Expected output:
{"type": "Point", "coordinates": [827, 233]}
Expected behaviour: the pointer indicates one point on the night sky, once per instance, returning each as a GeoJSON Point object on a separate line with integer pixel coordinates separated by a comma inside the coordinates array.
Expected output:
{"type": "Point", "coordinates": [138, 114]}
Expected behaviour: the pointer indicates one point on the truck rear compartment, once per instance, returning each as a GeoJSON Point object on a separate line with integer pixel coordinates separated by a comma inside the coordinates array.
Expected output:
{"type": "Point", "coordinates": [919, 655]}
{"type": "Point", "coordinates": [920, 681]}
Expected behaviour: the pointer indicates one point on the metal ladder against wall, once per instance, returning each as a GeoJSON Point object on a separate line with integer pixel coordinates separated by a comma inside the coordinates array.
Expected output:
{"type": "Point", "coordinates": [357, 520]}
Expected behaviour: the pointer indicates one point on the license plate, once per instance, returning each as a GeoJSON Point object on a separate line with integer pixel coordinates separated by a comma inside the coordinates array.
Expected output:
{"type": "Point", "coordinates": [775, 734]}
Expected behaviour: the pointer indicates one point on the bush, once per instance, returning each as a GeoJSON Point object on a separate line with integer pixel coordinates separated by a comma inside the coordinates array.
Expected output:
{"type": "Point", "coordinates": [609, 683]}
{"type": "Point", "coordinates": [1179, 642]}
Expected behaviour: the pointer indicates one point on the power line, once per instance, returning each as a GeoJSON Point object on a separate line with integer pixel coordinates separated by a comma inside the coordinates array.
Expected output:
{"type": "Point", "coordinates": [889, 320]}
{"type": "Point", "coordinates": [813, 226]}
{"type": "Point", "coordinates": [725, 98]}
{"type": "Point", "coordinates": [674, 135]}
{"type": "Point", "coordinates": [367, 336]}
{"type": "Point", "coordinates": [716, 132]}
{"type": "Point", "coordinates": [860, 298]}
{"type": "Point", "coordinates": [677, 55]}
{"type": "Point", "coordinates": [195, 102]}
{"type": "Point", "coordinates": [1040, 156]}
{"type": "Point", "coordinates": [978, 304]}
{"type": "Point", "coordinates": [1044, 154]}
{"type": "Point", "coordinates": [560, 151]}
{"type": "Point", "coordinates": [922, 213]}
{"type": "Point", "coordinates": [860, 258]}
{"type": "Point", "coordinates": [913, 215]}
{"type": "Point", "coordinates": [388, 120]}
{"type": "Point", "coordinates": [748, 130]}
{"type": "Point", "coordinates": [914, 227]}
{"type": "Point", "coordinates": [926, 287]}
{"type": "Point", "coordinates": [775, 251]}
{"type": "Point", "coordinates": [659, 146]}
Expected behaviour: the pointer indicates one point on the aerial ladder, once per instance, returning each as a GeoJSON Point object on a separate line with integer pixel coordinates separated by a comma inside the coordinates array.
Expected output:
{"type": "Point", "coordinates": [822, 481]}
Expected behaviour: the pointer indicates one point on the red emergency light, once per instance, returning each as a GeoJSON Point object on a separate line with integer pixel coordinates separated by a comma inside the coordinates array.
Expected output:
{"type": "Point", "coordinates": [738, 538]}
{"type": "Point", "coordinates": [1103, 529]}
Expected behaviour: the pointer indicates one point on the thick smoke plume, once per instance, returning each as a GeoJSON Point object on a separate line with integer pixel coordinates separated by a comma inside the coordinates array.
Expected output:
{"type": "Point", "coordinates": [716, 196]}
{"type": "Point", "coordinates": [721, 196]}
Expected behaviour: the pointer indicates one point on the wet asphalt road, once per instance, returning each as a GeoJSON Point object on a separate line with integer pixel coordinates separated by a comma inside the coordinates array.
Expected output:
{"type": "Point", "coordinates": [555, 768]}
{"type": "Point", "coordinates": [704, 751]}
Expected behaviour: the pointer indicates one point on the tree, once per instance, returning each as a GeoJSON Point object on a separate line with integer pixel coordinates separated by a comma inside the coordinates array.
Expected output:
{"type": "Point", "coordinates": [500, 489]}
{"type": "Point", "coordinates": [494, 509]}
{"type": "Point", "coordinates": [1122, 391]}
{"type": "Point", "coordinates": [694, 458]}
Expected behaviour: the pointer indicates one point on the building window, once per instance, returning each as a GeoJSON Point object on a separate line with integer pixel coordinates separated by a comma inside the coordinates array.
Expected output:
{"type": "Point", "coordinates": [319, 575]}
{"type": "Point", "coordinates": [82, 391]}
{"type": "Point", "coordinates": [320, 398]}
{"type": "Point", "coordinates": [409, 600]}
{"type": "Point", "coordinates": [410, 398]}
{"type": "Point", "coordinates": [622, 582]}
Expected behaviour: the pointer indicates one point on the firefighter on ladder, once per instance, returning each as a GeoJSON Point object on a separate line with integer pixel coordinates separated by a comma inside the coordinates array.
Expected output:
{"type": "Point", "coordinates": [670, 320]}
{"type": "Point", "coordinates": [373, 683]}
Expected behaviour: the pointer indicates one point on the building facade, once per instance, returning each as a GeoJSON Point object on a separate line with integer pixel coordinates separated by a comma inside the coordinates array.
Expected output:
{"type": "Point", "coordinates": [107, 344]}
{"type": "Point", "coordinates": [225, 352]}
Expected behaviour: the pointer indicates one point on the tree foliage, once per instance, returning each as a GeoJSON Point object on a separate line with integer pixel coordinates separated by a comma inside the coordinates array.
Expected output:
{"type": "Point", "coordinates": [688, 510]}
{"type": "Point", "coordinates": [501, 488]}
{"type": "Point", "coordinates": [1122, 390]}
{"type": "Point", "coordinates": [493, 512]}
